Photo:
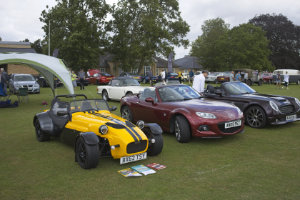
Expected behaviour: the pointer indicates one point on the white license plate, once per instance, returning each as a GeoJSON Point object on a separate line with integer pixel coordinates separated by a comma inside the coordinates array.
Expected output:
{"type": "Point", "coordinates": [133, 158]}
{"type": "Point", "coordinates": [291, 117]}
{"type": "Point", "coordinates": [233, 124]}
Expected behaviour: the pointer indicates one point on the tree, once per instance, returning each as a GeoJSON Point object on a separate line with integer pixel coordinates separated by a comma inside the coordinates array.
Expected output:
{"type": "Point", "coordinates": [284, 39]}
{"type": "Point", "coordinates": [37, 46]}
{"type": "Point", "coordinates": [247, 47]}
{"type": "Point", "coordinates": [144, 29]}
{"type": "Point", "coordinates": [77, 30]}
{"type": "Point", "coordinates": [221, 49]}
{"type": "Point", "coordinates": [207, 46]}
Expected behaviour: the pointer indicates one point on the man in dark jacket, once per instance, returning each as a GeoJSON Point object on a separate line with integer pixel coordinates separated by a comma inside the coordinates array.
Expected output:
{"type": "Point", "coordinates": [4, 80]}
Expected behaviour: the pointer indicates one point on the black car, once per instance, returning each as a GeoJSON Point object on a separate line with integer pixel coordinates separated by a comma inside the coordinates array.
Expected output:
{"type": "Point", "coordinates": [259, 109]}
{"type": "Point", "coordinates": [172, 76]}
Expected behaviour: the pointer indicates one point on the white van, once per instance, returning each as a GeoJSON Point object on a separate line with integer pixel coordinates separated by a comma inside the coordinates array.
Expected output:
{"type": "Point", "coordinates": [293, 73]}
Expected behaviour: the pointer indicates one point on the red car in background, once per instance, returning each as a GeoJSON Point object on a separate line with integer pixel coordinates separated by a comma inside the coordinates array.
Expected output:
{"type": "Point", "coordinates": [181, 110]}
{"type": "Point", "coordinates": [224, 77]}
{"type": "Point", "coordinates": [98, 78]}
{"type": "Point", "coordinates": [267, 77]}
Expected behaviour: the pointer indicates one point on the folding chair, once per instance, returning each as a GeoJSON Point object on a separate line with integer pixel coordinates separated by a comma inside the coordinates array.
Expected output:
{"type": "Point", "coordinates": [22, 94]}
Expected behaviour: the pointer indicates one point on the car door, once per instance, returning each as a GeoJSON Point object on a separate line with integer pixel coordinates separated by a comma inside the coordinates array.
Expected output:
{"type": "Point", "coordinates": [145, 109]}
{"type": "Point", "coordinates": [116, 90]}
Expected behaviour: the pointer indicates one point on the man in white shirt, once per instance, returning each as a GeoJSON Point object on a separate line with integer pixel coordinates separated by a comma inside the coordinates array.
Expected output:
{"type": "Point", "coordinates": [286, 78]}
{"type": "Point", "coordinates": [199, 81]}
{"type": "Point", "coordinates": [163, 76]}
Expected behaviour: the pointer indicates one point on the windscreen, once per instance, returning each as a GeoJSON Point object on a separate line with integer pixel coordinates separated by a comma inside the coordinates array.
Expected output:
{"type": "Point", "coordinates": [238, 88]}
{"type": "Point", "coordinates": [88, 105]}
{"type": "Point", "coordinates": [177, 93]}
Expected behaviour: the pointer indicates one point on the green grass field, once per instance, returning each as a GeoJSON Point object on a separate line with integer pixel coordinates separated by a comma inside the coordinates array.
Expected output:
{"type": "Point", "coordinates": [258, 164]}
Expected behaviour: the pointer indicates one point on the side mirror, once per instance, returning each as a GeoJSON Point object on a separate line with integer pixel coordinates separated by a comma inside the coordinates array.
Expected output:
{"type": "Point", "coordinates": [218, 92]}
{"type": "Point", "coordinates": [113, 108]}
{"type": "Point", "coordinates": [149, 100]}
{"type": "Point", "coordinates": [62, 113]}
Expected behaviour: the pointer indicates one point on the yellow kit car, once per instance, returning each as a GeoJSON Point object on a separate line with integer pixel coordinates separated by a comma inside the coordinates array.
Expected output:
{"type": "Point", "coordinates": [96, 132]}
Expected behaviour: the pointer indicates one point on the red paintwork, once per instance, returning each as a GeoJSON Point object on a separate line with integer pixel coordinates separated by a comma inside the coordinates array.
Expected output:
{"type": "Point", "coordinates": [163, 113]}
{"type": "Point", "coordinates": [100, 79]}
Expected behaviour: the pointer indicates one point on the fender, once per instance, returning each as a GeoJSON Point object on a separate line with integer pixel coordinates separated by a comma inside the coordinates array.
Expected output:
{"type": "Point", "coordinates": [154, 128]}
{"type": "Point", "coordinates": [45, 122]}
{"type": "Point", "coordinates": [90, 138]}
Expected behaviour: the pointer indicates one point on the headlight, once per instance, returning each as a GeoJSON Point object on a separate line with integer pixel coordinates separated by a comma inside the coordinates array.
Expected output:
{"type": "Point", "coordinates": [103, 129]}
{"type": "Point", "coordinates": [140, 124]}
{"type": "Point", "coordinates": [274, 106]}
{"type": "Point", "coordinates": [297, 102]}
{"type": "Point", "coordinates": [206, 115]}
{"type": "Point", "coordinates": [36, 85]}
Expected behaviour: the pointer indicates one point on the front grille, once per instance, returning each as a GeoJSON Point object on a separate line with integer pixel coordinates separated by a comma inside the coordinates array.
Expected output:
{"type": "Point", "coordinates": [227, 130]}
{"type": "Point", "coordinates": [136, 147]}
{"type": "Point", "coordinates": [286, 109]}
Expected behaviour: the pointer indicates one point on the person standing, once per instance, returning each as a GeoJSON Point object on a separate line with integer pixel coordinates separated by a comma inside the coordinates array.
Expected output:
{"type": "Point", "coordinates": [4, 80]}
{"type": "Point", "coordinates": [199, 81]}
{"type": "Point", "coordinates": [238, 76]}
{"type": "Point", "coordinates": [149, 74]}
{"type": "Point", "coordinates": [180, 77]}
{"type": "Point", "coordinates": [286, 78]}
{"type": "Point", "coordinates": [81, 76]}
{"type": "Point", "coordinates": [163, 76]}
{"type": "Point", "coordinates": [191, 75]}
{"type": "Point", "coordinates": [73, 77]}
{"type": "Point", "coordinates": [231, 77]}
{"type": "Point", "coordinates": [278, 80]}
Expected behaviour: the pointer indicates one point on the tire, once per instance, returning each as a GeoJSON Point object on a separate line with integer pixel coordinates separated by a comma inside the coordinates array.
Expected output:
{"type": "Point", "coordinates": [256, 117]}
{"type": "Point", "coordinates": [105, 95]}
{"type": "Point", "coordinates": [182, 129]}
{"type": "Point", "coordinates": [128, 94]}
{"type": "Point", "coordinates": [41, 136]}
{"type": "Point", "coordinates": [126, 113]}
{"type": "Point", "coordinates": [87, 156]}
{"type": "Point", "coordinates": [156, 147]}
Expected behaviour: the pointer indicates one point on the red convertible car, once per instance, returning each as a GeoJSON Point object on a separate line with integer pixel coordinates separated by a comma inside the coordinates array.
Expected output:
{"type": "Point", "coordinates": [100, 78]}
{"type": "Point", "coordinates": [181, 110]}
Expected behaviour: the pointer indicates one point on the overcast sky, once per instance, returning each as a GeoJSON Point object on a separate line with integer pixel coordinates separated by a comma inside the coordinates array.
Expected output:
{"type": "Point", "coordinates": [19, 19]}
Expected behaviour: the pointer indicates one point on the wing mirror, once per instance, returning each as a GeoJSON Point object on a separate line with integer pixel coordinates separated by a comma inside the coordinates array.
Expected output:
{"type": "Point", "coordinates": [62, 113]}
{"type": "Point", "coordinates": [113, 108]}
{"type": "Point", "coordinates": [218, 92]}
{"type": "Point", "coordinates": [149, 100]}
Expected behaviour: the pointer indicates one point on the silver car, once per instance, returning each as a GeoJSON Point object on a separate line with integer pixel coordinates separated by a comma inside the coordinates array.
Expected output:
{"type": "Point", "coordinates": [23, 81]}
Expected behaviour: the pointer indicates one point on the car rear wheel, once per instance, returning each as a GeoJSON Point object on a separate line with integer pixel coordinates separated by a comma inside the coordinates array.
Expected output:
{"type": "Point", "coordinates": [182, 129]}
{"type": "Point", "coordinates": [87, 156]}
{"type": "Point", "coordinates": [156, 147]}
{"type": "Point", "coordinates": [255, 117]}
{"type": "Point", "coordinates": [40, 135]}
{"type": "Point", "coordinates": [126, 113]}
{"type": "Point", "coordinates": [105, 95]}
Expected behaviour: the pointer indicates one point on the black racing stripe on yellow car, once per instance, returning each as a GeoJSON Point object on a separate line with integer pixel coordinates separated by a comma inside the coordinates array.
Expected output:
{"type": "Point", "coordinates": [130, 130]}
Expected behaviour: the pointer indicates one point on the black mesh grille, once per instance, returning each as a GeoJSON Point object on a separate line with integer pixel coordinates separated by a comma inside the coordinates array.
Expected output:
{"type": "Point", "coordinates": [286, 109]}
{"type": "Point", "coordinates": [227, 130]}
{"type": "Point", "coordinates": [136, 147]}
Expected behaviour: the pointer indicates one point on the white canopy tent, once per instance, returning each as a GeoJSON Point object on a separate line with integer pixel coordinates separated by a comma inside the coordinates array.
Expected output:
{"type": "Point", "coordinates": [46, 65]}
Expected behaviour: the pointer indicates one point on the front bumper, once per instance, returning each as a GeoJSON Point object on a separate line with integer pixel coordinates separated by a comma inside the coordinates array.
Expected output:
{"type": "Point", "coordinates": [282, 119]}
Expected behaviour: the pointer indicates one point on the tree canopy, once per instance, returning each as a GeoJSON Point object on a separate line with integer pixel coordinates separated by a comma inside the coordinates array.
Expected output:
{"type": "Point", "coordinates": [77, 29]}
{"type": "Point", "coordinates": [143, 29]}
{"type": "Point", "coordinates": [284, 39]}
{"type": "Point", "coordinates": [220, 48]}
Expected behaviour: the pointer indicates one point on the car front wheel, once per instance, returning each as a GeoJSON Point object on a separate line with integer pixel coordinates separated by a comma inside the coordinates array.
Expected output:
{"type": "Point", "coordinates": [40, 135]}
{"type": "Point", "coordinates": [156, 147]}
{"type": "Point", "coordinates": [255, 117]}
{"type": "Point", "coordinates": [126, 113]}
{"type": "Point", "coordinates": [105, 95]}
{"type": "Point", "coordinates": [87, 156]}
{"type": "Point", "coordinates": [182, 129]}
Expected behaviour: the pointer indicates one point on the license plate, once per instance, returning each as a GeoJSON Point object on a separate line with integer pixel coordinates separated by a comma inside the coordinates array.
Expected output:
{"type": "Point", "coordinates": [133, 158]}
{"type": "Point", "coordinates": [233, 124]}
{"type": "Point", "coordinates": [291, 117]}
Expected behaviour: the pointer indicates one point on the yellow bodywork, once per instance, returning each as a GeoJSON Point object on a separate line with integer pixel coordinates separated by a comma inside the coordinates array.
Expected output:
{"type": "Point", "coordinates": [90, 122]}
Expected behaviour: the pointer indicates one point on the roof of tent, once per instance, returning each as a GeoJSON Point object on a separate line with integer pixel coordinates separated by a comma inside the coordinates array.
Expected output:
{"type": "Point", "coordinates": [46, 65]}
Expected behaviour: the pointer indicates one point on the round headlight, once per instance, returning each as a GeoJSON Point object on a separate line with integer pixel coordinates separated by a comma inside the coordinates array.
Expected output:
{"type": "Point", "coordinates": [140, 124]}
{"type": "Point", "coordinates": [274, 106]}
{"type": "Point", "coordinates": [103, 129]}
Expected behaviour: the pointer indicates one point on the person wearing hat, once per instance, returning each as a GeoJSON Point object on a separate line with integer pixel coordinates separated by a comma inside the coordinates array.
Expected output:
{"type": "Point", "coordinates": [199, 81]}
